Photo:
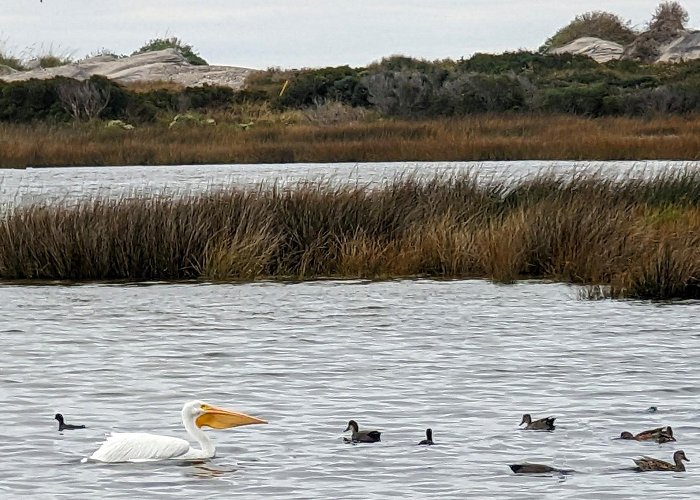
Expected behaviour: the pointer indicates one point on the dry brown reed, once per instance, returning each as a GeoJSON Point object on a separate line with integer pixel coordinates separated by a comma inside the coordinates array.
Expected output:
{"type": "Point", "coordinates": [252, 135]}
{"type": "Point", "coordinates": [636, 237]}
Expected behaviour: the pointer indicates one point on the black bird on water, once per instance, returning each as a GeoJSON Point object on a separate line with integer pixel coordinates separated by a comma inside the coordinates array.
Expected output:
{"type": "Point", "coordinates": [62, 426]}
{"type": "Point", "coordinates": [527, 468]}
{"type": "Point", "coordinates": [428, 437]}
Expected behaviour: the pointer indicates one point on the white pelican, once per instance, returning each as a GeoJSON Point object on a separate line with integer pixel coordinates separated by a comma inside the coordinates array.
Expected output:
{"type": "Point", "coordinates": [143, 447]}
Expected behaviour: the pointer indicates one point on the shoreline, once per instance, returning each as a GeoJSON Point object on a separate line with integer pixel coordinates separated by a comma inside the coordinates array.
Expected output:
{"type": "Point", "coordinates": [473, 138]}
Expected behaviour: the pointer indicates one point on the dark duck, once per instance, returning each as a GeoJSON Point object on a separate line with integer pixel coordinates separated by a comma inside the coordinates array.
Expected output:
{"type": "Point", "coordinates": [363, 436]}
{"type": "Point", "coordinates": [62, 426]}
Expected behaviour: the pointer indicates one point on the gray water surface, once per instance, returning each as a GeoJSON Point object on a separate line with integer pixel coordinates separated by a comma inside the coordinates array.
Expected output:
{"type": "Point", "coordinates": [466, 358]}
{"type": "Point", "coordinates": [66, 184]}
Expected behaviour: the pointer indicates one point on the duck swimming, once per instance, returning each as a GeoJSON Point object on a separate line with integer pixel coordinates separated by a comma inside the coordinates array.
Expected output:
{"type": "Point", "coordinates": [359, 436]}
{"type": "Point", "coordinates": [428, 438]}
{"type": "Point", "coordinates": [646, 464]}
{"type": "Point", "coordinates": [62, 426]}
{"type": "Point", "coordinates": [660, 435]}
{"type": "Point", "coordinates": [537, 469]}
{"type": "Point", "coordinates": [543, 424]}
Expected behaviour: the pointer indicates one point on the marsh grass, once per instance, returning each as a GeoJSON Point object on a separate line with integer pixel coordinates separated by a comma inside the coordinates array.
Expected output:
{"type": "Point", "coordinates": [254, 133]}
{"type": "Point", "coordinates": [626, 237]}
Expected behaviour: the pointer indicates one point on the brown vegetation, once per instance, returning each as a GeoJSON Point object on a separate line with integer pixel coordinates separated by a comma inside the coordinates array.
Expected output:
{"type": "Point", "coordinates": [501, 137]}
{"type": "Point", "coordinates": [638, 238]}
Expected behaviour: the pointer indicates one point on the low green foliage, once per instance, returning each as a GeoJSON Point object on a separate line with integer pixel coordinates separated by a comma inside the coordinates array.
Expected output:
{"type": "Point", "coordinates": [173, 42]}
{"type": "Point", "coordinates": [31, 100]}
{"type": "Point", "coordinates": [316, 86]}
{"type": "Point", "coordinates": [53, 61]}
{"type": "Point", "coordinates": [11, 62]}
{"type": "Point", "coordinates": [524, 62]}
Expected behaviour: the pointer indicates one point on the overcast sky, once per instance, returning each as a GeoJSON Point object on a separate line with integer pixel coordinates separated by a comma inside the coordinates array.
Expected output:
{"type": "Point", "coordinates": [300, 33]}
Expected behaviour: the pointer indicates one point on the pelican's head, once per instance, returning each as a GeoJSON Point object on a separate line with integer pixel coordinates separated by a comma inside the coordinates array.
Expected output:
{"type": "Point", "coordinates": [206, 415]}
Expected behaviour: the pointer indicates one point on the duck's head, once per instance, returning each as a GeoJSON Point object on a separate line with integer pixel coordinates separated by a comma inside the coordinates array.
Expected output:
{"type": "Point", "coordinates": [58, 417]}
{"type": "Point", "coordinates": [668, 431]}
{"type": "Point", "coordinates": [680, 455]}
{"type": "Point", "coordinates": [665, 438]}
{"type": "Point", "coordinates": [626, 435]}
{"type": "Point", "coordinates": [429, 434]}
{"type": "Point", "coordinates": [527, 419]}
{"type": "Point", "coordinates": [352, 425]}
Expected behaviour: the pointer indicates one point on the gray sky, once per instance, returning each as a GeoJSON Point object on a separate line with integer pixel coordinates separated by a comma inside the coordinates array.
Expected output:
{"type": "Point", "coordinates": [300, 33]}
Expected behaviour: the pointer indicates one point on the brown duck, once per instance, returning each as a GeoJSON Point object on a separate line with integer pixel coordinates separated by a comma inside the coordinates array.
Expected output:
{"type": "Point", "coordinates": [660, 435]}
{"type": "Point", "coordinates": [645, 464]}
{"type": "Point", "coordinates": [543, 424]}
{"type": "Point", "coordinates": [359, 436]}
{"type": "Point", "coordinates": [537, 469]}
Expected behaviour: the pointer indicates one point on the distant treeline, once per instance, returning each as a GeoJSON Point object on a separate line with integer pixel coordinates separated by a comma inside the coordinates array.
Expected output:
{"type": "Point", "coordinates": [515, 82]}
{"type": "Point", "coordinates": [62, 99]}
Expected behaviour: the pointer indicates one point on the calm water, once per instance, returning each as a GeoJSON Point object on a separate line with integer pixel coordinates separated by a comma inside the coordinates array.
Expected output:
{"type": "Point", "coordinates": [65, 184]}
{"type": "Point", "coordinates": [466, 358]}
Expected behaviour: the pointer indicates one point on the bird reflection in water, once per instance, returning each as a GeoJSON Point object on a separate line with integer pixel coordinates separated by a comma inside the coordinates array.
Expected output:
{"type": "Point", "coordinates": [204, 470]}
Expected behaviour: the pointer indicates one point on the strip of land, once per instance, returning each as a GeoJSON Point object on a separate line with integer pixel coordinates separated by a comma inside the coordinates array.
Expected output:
{"type": "Point", "coordinates": [488, 137]}
{"type": "Point", "coordinates": [627, 238]}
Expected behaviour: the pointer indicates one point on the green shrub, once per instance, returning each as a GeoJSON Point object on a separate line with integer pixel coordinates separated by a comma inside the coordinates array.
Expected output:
{"type": "Point", "coordinates": [597, 24]}
{"type": "Point", "coordinates": [31, 100]}
{"type": "Point", "coordinates": [6, 59]}
{"type": "Point", "coordinates": [521, 61]}
{"type": "Point", "coordinates": [53, 61]}
{"type": "Point", "coordinates": [477, 93]}
{"type": "Point", "coordinates": [173, 43]}
{"type": "Point", "coordinates": [316, 86]}
{"type": "Point", "coordinates": [668, 16]}
{"type": "Point", "coordinates": [576, 99]}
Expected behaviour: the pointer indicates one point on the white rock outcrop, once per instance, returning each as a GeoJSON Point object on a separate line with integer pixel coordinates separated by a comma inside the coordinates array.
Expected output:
{"type": "Point", "coordinates": [163, 65]}
{"type": "Point", "coordinates": [596, 48]}
{"type": "Point", "coordinates": [684, 47]}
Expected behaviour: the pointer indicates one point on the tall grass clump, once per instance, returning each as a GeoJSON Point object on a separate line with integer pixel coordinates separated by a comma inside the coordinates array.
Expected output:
{"type": "Point", "coordinates": [632, 236]}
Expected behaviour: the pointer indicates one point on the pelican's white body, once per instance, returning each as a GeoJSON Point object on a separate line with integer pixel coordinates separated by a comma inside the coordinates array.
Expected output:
{"type": "Point", "coordinates": [143, 447]}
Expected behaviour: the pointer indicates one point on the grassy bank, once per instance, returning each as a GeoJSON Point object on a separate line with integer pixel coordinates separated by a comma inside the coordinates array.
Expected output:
{"type": "Point", "coordinates": [639, 237]}
{"type": "Point", "coordinates": [499, 137]}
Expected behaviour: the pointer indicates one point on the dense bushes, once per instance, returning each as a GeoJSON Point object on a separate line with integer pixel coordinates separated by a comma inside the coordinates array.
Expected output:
{"type": "Point", "coordinates": [510, 82]}
{"type": "Point", "coordinates": [31, 100]}
{"type": "Point", "coordinates": [56, 100]}
{"type": "Point", "coordinates": [316, 86]}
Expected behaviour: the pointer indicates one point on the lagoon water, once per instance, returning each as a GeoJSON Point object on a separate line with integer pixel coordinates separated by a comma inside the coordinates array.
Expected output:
{"type": "Point", "coordinates": [50, 185]}
{"type": "Point", "coordinates": [466, 358]}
